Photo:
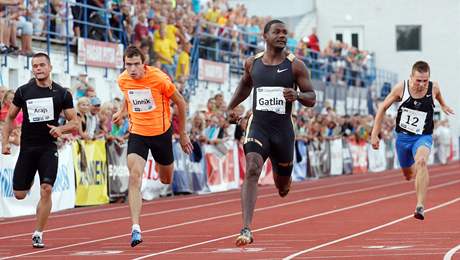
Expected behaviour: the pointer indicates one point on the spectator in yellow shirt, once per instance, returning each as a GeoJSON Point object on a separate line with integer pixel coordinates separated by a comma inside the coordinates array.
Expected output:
{"type": "Point", "coordinates": [183, 65]}
{"type": "Point", "coordinates": [213, 14]}
{"type": "Point", "coordinates": [162, 48]}
{"type": "Point", "coordinates": [171, 32]}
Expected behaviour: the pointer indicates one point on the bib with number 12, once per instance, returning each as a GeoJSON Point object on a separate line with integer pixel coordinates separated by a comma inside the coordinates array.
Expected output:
{"type": "Point", "coordinates": [412, 120]}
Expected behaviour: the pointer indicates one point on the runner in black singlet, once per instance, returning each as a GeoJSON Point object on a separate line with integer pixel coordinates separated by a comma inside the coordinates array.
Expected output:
{"type": "Point", "coordinates": [41, 101]}
{"type": "Point", "coordinates": [273, 76]}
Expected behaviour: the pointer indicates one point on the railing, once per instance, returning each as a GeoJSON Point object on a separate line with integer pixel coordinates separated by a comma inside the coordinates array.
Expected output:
{"type": "Point", "coordinates": [66, 37]}
{"type": "Point", "coordinates": [235, 48]}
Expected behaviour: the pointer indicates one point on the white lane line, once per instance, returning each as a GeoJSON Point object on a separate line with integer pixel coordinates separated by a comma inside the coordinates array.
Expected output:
{"type": "Point", "coordinates": [214, 218]}
{"type": "Point", "coordinates": [234, 214]}
{"type": "Point", "coordinates": [198, 206]}
{"type": "Point", "coordinates": [366, 231]}
{"type": "Point", "coordinates": [168, 200]}
{"type": "Point", "coordinates": [450, 253]}
{"type": "Point", "coordinates": [194, 197]}
{"type": "Point", "coordinates": [297, 220]}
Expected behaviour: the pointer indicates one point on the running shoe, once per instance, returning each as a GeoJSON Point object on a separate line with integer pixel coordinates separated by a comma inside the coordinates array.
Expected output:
{"type": "Point", "coordinates": [135, 238]}
{"type": "Point", "coordinates": [37, 242]}
{"type": "Point", "coordinates": [245, 237]}
{"type": "Point", "coordinates": [419, 213]}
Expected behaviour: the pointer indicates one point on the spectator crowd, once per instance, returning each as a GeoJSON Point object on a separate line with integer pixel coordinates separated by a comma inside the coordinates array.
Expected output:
{"type": "Point", "coordinates": [166, 30]}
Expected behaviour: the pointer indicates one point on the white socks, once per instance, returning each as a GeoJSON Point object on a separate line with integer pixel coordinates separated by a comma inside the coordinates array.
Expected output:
{"type": "Point", "coordinates": [37, 233]}
{"type": "Point", "coordinates": [136, 227]}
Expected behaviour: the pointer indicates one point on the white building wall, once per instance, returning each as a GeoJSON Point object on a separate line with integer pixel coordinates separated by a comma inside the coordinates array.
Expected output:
{"type": "Point", "coordinates": [440, 36]}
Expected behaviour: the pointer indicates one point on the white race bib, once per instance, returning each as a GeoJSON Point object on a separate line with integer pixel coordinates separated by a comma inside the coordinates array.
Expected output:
{"type": "Point", "coordinates": [40, 109]}
{"type": "Point", "coordinates": [412, 120]}
{"type": "Point", "coordinates": [271, 99]}
{"type": "Point", "coordinates": [141, 100]}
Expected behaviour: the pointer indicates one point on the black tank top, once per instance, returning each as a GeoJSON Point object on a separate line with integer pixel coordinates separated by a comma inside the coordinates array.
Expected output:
{"type": "Point", "coordinates": [415, 115]}
{"type": "Point", "coordinates": [268, 82]}
{"type": "Point", "coordinates": [40, 106]}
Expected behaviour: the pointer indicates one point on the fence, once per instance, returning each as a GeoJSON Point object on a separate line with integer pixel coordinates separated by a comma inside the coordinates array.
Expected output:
{"type": "Point", "coordinates": [222, 44]}
{"type": "Point", "coordinates": [93, 22]}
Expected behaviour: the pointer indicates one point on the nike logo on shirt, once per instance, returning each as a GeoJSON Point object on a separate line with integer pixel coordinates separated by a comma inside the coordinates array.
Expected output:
{"type": "Point", "coordinates": [279, 71]}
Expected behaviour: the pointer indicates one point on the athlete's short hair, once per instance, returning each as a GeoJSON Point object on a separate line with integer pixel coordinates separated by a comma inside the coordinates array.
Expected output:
{"type": "Point", "coordinates": [42, 54]}
{"type": "Point", "coordinates": [269, 24]}
{"type": "Point", "coordinates": [132, 51]}
{"type": "Point", "coordinates": [421, 66]}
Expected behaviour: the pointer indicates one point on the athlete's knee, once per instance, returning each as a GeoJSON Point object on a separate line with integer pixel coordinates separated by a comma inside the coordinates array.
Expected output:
{"type": "Point", "coordinates": [166, 174]}
{"type": "Point", "coordinates": [20, 195]}
{"type": "Point", "coordinates": [166, 179]}
{"type": "Point", "coordinates": [285, 169]}
{"type": "Point", "coordinates": [421, 162]}
{"type": "Point", "coordinates": [135, 179]}
{"type": "Point", "coordinates": [46, 190]}
{"type": "Point", "coordinates": [253, 169]}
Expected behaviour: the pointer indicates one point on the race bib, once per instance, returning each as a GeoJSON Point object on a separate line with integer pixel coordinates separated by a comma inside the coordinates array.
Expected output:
{"type": "Point", "coordinates": [271, 99]}
{"type": "Point", "coordinates": [412, 120]}
{"type": "Point", "coordinates": [141, 100]}
{"type": "Point", "coordinates": [40, 109]}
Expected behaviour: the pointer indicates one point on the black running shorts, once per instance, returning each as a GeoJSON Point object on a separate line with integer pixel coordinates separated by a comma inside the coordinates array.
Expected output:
{"type": "Point", "coordinates": [160, 146]}
{"type": "Point", "coordinates": [271, 140]}
{"type": "Point", "coordinates": [44, 159]}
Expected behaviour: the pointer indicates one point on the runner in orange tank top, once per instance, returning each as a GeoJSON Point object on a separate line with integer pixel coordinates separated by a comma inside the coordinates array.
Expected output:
{"type": "Point", "coordinates": [147, 93]}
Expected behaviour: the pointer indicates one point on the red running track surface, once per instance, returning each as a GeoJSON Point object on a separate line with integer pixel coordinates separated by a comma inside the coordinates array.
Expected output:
{"type": "Point", "coordinates": [366, 216]}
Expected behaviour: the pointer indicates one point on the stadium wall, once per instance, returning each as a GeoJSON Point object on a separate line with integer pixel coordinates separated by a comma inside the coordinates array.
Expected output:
{"type": "Point", "coordinates": [18, 71]}
{"type": "Point", "coordinates": [377, 21]}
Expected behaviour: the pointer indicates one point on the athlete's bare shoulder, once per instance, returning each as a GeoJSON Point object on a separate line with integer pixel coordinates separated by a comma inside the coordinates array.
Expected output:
{"type": "Point", "coordinates": [250, 61]}
{"type": "Point", "coordinates": [436, 88]}
{"type": "Point", "coordinates": [398, 90]}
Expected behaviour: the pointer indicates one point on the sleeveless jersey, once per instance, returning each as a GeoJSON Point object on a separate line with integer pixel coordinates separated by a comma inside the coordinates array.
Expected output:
{"type": "Point", "coordinates": [268, 81]}
{"type": "Point", "coordinates": [415, 115]}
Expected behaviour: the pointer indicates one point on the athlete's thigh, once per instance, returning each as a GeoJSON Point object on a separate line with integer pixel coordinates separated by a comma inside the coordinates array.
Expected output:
{"type": "Point", "coordinates": [48, 166]}
{"type": "Point", "coordinates": [161, 148]}
{"type": "Point", "coordinates": [422, 152]}
{"type": "Point", "coordinates": [282, 146]}
{"type": "Point", "coordinates": [257, 140]}
{"type": "Point", "coordinates": [137, 145]}
{"type": "Point", "coordinates": [136, 164]}
{"type": "Point", "coordinates": [422, 147]}
{"type": "Point", "coordinates": [404, 151]}
{"type": "Point", "coordinates": [25, 169]}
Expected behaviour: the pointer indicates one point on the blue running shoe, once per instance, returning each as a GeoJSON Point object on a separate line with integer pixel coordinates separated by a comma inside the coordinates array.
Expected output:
{"type": "Point", "coordinates": [135, 238]}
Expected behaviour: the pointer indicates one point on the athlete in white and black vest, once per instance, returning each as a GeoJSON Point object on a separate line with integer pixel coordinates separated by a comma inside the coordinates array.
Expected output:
{"type": "Point", "coordinates": [414, 126]}
{"type": "Point", "coordinates": [274, 76]}
{"type": "Point", "coordinates": [41, 101]}
{"type": "Point", "coordinates": [415, 115]}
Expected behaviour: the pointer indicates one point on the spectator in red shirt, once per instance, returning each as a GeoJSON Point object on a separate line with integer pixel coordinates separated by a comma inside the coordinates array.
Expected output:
{"type": "Point", "coordinates": [313, 45]}
{"type": "Point", "coordinates": [141, 30]}
{"type": "Point", "coordinates": [313, 41]}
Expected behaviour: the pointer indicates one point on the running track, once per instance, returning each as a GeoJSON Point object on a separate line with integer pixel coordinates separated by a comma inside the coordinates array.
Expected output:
{"type": "Point", "coordinates": [367, 216]}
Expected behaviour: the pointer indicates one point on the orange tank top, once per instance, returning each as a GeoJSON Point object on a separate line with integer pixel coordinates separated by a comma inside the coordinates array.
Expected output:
{"type": "Point", "coordinates": [148, 101]}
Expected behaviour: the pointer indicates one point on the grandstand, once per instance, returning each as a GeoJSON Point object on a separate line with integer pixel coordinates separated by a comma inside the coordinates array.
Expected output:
{"type": "Point", "coordinates": [202, 48]}
{"type": "Point", "coordinates": [354, 60]}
